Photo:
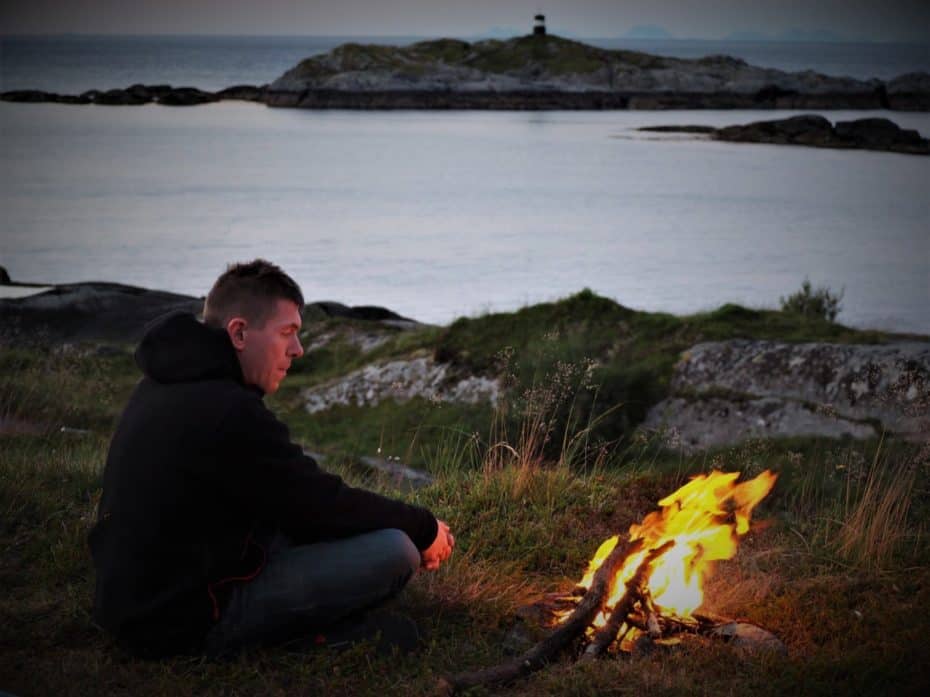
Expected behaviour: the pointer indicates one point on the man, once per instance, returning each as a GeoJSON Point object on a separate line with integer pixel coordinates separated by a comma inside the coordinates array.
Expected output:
{"type": "Point", "coordinates": [214, 530]}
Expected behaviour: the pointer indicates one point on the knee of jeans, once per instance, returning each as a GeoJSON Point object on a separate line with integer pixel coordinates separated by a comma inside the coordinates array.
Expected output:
{"type": "Point", "coordinates": [400, 551]}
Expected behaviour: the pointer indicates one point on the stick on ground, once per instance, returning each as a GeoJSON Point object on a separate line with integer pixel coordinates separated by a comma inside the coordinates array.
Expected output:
{"type": "Point", "coordinates": [536, 657]}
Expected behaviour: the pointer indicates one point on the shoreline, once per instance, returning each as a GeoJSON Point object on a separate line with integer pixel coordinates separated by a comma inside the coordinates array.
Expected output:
{"type": "Point", "coordinates": [767, 98]}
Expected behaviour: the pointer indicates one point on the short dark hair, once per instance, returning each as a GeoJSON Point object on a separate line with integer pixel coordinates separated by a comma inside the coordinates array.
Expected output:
{"type": "Point", "coordinates": [249, 290]}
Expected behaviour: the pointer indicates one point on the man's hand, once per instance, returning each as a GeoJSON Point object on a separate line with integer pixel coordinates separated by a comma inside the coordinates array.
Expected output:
{"type": "Point", "coordinates": [440, 550]}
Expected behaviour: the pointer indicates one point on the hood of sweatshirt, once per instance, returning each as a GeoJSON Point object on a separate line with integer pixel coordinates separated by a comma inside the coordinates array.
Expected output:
{"type": "Point", "coordinates": [178, 348]}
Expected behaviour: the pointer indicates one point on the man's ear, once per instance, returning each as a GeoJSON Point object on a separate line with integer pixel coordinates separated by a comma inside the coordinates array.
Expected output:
{"type": "Point", "coordinates": [236, 329]}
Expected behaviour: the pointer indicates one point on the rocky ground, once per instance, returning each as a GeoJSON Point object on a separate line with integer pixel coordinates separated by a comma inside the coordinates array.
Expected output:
{"type": "Point", "coordinates": [816, 131]}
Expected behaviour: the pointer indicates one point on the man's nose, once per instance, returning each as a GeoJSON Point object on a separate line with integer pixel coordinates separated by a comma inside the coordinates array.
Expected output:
{"type": "Point", "coordinates": [296, 350]}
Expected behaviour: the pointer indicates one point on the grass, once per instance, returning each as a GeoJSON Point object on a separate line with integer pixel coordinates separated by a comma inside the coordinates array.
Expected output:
{"type": "Point", "coordinates": [837, 564]}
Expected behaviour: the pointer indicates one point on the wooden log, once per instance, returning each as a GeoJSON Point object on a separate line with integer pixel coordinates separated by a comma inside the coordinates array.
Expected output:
{"type": "Point", "coordinates": [605, 636]}
{"type": "Point", "coordinates": [543, 652]}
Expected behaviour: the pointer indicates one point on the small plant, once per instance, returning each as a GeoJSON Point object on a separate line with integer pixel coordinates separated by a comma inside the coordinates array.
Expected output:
{"type": "Point", "coordinates": [820, 303]}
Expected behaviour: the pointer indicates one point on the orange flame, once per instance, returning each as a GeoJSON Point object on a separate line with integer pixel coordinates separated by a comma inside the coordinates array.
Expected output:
{"type": "Point", "coordinates": [705, 518]}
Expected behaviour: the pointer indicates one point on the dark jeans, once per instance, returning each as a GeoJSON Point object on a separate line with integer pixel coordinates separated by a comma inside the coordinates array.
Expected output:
{"type": "Point", "coordinates": [305, 589]}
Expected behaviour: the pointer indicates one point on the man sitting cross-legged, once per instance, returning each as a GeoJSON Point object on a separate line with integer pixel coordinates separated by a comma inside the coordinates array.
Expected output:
{"type": "Point", "coordinates": [214, 530]}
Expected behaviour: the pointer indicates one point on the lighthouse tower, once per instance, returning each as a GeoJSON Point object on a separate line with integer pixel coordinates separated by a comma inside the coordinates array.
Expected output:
{"type": "Point", "coordinates": [539, 25]}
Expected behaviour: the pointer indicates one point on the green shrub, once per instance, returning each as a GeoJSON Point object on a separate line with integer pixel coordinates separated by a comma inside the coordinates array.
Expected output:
{"type": "Point", "coordinates": [821, 303]}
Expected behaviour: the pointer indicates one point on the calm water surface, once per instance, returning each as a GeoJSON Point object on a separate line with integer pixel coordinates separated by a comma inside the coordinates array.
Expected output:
{"type": "Point", "coordinates": [441, 214]}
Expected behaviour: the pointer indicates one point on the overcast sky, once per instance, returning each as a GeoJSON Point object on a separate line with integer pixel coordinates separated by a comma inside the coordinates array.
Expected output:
{"type": "Point", "coordinates": [887, 20]}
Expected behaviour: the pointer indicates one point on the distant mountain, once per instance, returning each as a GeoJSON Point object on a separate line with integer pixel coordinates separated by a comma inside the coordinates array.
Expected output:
{"type": "Point", "coordinates": [648, 31]}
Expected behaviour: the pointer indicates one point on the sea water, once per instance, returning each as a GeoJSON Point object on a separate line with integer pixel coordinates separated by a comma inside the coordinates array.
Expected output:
{"type": "Point", "coordinates": [440, 214]}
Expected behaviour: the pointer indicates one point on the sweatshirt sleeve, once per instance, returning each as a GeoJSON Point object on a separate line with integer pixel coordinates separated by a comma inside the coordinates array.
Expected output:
{"type": "Point", "coordinates": [271, 475]}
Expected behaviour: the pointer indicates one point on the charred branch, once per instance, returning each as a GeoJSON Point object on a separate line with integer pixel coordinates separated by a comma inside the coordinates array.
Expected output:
{"type": "Point", "coordinates": [547, 649]}
{"type": "Point", "coordinates": [605, 636]}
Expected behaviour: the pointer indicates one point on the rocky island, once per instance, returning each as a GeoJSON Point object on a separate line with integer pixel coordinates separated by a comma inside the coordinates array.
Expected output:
{"type": "Point", "coordinates": [537, 71]}
{"type": "Point", "coordinates": [815, 131]}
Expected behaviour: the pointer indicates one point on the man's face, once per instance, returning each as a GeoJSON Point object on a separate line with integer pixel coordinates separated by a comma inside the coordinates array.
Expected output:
{"type": "Point", "coordinates": [265, 353]}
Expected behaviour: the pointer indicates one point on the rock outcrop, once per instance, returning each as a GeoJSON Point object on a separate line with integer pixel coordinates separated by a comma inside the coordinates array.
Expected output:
{"type": "Point", "coordinates": [814, 130]}
{"type": "Point", "coordinates": [727, 392]}
{"type": "Point", "coordinates": [401, 381]}
{"type": "Point", "coordinates": [88, 312]}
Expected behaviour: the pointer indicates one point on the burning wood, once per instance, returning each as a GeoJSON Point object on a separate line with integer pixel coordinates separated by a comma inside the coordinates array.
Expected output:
{"type": "Point", "coordinates": [649, 584]}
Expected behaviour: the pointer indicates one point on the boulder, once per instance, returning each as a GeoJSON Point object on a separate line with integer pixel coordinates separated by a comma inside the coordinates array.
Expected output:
{"type": "Point", "coordinates": [4, 277]}
{"type": "Point", "coordinates": [693, 425]}
{"type": "Point", "coordinates": [726, 392]}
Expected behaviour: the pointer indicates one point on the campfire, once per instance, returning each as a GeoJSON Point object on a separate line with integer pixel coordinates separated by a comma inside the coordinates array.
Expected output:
{"type": "Point", "coordinates": [647, 587]}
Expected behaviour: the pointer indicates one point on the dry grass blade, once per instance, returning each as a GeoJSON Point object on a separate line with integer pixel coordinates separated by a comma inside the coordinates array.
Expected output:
{"type": "Point", "coordinates": [875, 524]}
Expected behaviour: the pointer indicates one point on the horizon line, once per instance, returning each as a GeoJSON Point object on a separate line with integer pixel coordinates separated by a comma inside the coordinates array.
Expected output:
{"type": "Point", "coordinates": [477, 36]}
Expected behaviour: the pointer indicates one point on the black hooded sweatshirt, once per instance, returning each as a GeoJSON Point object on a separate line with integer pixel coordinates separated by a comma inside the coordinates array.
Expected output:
{"type": "Point", "coordinates": [197, 463]}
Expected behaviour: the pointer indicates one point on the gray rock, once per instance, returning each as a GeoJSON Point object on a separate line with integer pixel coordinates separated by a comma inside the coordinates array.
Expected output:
{"type": "Point", "coordinates": [402, 381]}
{"type": "Point", "coordinates": [726, 392]}
{"type": "Point", "coordinates": [88, 312]}
{"type": "Point", "coordinates": [750, 638]}
{"type": "Point", "coordinates": [4, 277]}
{"type": "Point", "coordinates": [699, 424]}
